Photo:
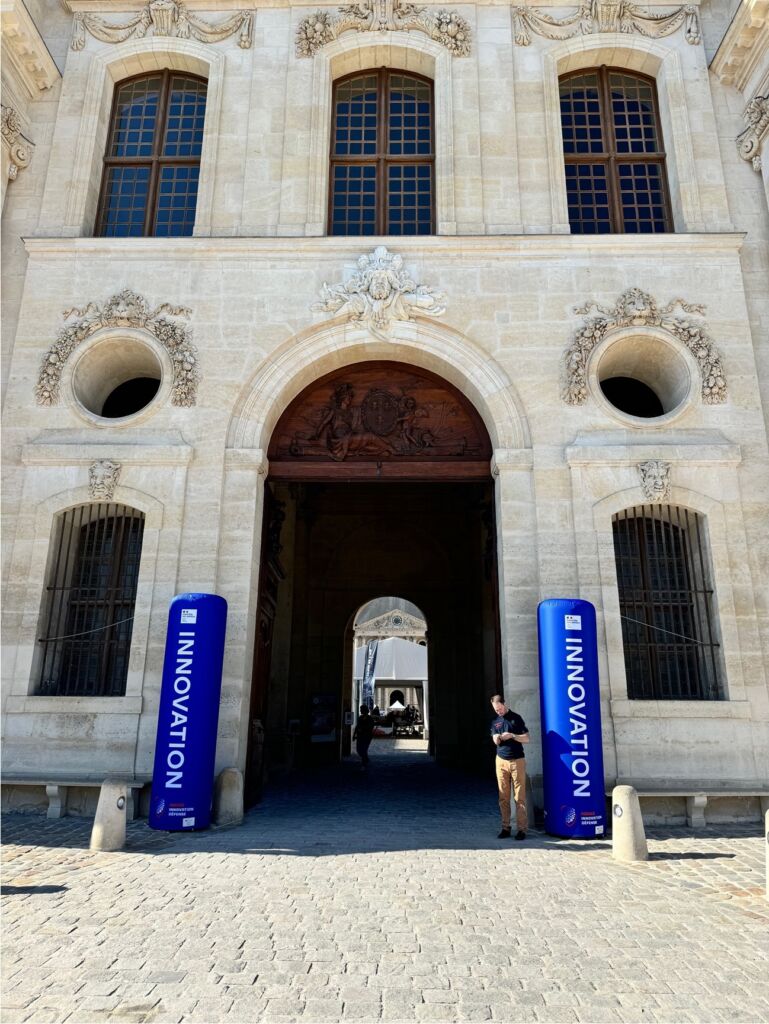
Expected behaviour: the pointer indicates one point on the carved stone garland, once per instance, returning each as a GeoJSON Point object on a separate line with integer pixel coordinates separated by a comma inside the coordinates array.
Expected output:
{"type": "Point", "coordinates": [756, 116]}
{"type": "Point", "coordinates": [445, 27]}
{"type": "Point", "coordinates": [127, 309]}
{"type": "Point", "coordinates": [636, 308]}
{"type": "Point", "coordinates": [605, 16]}
{"type": "Point", "coordinates": [164, 18]}
{"type": "Point", "coordinates": [20, 153]}
{"type": "Point", "coordinates": [655, 479]}
{"type": "Point", "coordinates": [103, 478]}
{"type": "Point", "coordinates": [381, 290]}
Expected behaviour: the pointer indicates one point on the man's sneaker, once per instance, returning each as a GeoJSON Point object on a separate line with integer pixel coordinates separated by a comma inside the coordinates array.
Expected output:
{"type": "Point", "coordinates": [504, 834]}
{"type": "Point", "coordinates": [520, 834]}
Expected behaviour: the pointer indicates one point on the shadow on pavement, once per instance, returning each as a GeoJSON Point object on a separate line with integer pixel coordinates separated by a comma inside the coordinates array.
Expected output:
{"type": "Point", "coordinates": [404, 802]}
{"type": "Point", "coordinates": [31, 890]}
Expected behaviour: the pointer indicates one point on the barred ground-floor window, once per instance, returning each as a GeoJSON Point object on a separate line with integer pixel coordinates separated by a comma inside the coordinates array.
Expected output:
{"type": "Point", "coordinates": [90, 598]}
{"type": "Point", "coordinates": [669, 627]}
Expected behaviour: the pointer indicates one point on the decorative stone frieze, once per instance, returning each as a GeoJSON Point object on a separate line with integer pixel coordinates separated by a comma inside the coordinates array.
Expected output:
{"type": "Point", "coordinates": [163, 18]}
{"type": "Point", "coordinates": [749, 142]}
{"type": "Point", "coordinates": [637, 308]}
{"type": "Point", "coordinates": [605, 16]}
{"type": "Point", "coordinates": [103, 478]}
{"type": "Point", "coordinates": [655, 479]}
{"type": "Point", "coordinates": [126, 309]}
{"type": "Point", "coordinates": [380, 291]}
{"type": "Point", "coordinates": [446, 27]}
{"type": "Point", "coordinates": [18, 147]}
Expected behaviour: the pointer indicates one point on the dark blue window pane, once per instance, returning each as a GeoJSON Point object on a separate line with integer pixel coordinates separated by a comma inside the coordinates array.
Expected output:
{"type": "Point", "coordinates": [587, 192]}
{"type": "Point", "coordinates": [136, 109]}
{"type": "Point", "coordinates": [125, 201]}
{"type": "Point", "coordinates": [409, 199]}
{"type": "Point", "coordinates": [640, 188]}
{"type": "Point", "coordinates": [177, 195]}
{"type": "Point", "coordinates": [355, 117]}
{"type": "Point", "coordinates": [581, 115]}
{"type": "Point", "coordinates": [409, 117]}
{"type": "Point", "coordinates": [632, 102]}
{"type": "Point", "coordinates": [353, 200]}
{"type": "Point", "coordinates": [186, 114]}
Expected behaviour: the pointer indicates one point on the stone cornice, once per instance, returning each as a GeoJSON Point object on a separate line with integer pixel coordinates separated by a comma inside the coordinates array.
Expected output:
{"type": "Point", "coordinates": [309, 249]}
{"type": "Point", "coordinates": [127, 451]}
{"type": "Point", "coordinates": [744, 44]}
{"type": "Point", "coordinates": [24, 49]}
{"type": "Point", "coordinates": [626, 448]}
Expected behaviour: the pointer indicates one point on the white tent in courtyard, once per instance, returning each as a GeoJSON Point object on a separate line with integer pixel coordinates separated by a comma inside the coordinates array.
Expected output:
{"type": "Point", "coordinates": [396, 659]}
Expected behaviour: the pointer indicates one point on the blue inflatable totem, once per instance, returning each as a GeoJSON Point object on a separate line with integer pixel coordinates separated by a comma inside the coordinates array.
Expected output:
{"type": "Point", "coordinates": [185, 750]}
{"type": "Point", "coordinates": [572, 755]}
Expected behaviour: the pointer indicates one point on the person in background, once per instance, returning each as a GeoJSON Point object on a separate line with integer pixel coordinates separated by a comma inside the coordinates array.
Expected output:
{"type": "Point", "coordinates": [362, 734]}
{"type": "Point", "coordinates": [509, 733]}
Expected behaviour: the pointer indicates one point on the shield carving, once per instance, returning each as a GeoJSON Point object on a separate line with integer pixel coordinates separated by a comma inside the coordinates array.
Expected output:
{"type": "Point", "coordinates": [379, 412]}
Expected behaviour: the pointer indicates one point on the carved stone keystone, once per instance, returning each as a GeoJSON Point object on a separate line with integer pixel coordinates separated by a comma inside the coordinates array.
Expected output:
{"type": "Point", "coordinates": [446, 27]}
{"type": "Point", "coordinates": [103, 477]}
{"type": "Point", "coordinates": [655, 479]}
{"type": "Point", "coordinates": [380, 291]}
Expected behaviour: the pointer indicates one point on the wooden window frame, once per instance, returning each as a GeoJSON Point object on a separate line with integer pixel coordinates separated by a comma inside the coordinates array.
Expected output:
{"type": "Point", "coordinates": [381, 159]}
{"type": "Point", "coordinates": [156, 161]}
{"type": "Point", "coordinates": [611, 158]}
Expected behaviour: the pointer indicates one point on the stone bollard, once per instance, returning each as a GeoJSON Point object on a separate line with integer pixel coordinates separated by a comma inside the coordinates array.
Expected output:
{"type": "Point", "coordinates": [628, 839]}
{"type": "Point", "coordinates": [108, 831]}
{"type": "Point", "coordinates": [228, 797]}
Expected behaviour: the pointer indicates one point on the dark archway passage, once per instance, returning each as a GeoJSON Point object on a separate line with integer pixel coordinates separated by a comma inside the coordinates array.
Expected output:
{"type": "Point", "coordinates": [347, 534]}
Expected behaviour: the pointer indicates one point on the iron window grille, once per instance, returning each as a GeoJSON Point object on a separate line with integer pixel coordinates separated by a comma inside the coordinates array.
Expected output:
{"type": "Point", "coordinates": [90, 601]}
{"type": "Point", "coordinates": [152, 161]}
{"type": "Point", "coordinates": [666, 603]}
{"type": "Point", "coordinates": [616, 179]}
{"type": "Point", "coordinates": [382, 155]}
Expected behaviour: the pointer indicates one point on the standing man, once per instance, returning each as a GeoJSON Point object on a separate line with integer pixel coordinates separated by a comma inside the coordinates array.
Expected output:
{"type": "Point", "coordinates": [362, 734]}
{"type": "Point", "coordinates": [509, 733]}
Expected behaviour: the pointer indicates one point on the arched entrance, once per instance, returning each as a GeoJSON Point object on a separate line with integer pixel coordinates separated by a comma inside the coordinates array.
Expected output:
{"type": "Point", "coordinates": [379, 482]}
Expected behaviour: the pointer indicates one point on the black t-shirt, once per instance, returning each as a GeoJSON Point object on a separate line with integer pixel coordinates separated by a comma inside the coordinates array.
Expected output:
{"type": "Point", "coordinates": [364, 730]}
{"type": "Point", "coordinates": [509, 750]}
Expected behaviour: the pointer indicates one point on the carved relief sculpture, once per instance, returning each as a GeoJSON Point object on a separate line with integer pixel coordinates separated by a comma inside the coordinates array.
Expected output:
{"type": "Point", "coordinates": [103, 478]}
{"type": "Point", "coordinates": [445, 27]}
{"type": "Point", "coordinates": [380, 291]}
{"type": "Point", "coordinates": [378, 412]}
{"type": "Point", "coordinates": [655, 479]}
{"type": "Point", "coordinates": [604, 16]}
{"type": "Point", "coordinates": [18, 146]}
{"type": "Point", "coordinates": [127, 309]}
{"type": "Point", "coordinates": [636, 308]}
{"type": "Point", "coordinates": [164, 18]}
{"type": "Point", "coordinates": [756, 117]}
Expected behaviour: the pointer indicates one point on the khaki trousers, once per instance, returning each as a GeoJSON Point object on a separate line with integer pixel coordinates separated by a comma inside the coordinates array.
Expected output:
{"type": "Point", "coordinates": [511, 776]}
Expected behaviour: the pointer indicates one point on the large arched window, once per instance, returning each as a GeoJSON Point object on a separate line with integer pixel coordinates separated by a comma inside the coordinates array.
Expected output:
{"type": "Point", "coordinates": [615, 160]}
{"type": "Point", "coordinates": [91, 592]}
{"type": "Point", "coordinates": [666, 603]}
{"type": "Point", "coordinates": [382, 155]}
{"type": "Point", "coordinates": [152, 162]}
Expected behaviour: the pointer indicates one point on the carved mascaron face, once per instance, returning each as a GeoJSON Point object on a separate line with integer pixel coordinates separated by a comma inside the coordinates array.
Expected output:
{"type": "Point", "coordinates": [379, 286]}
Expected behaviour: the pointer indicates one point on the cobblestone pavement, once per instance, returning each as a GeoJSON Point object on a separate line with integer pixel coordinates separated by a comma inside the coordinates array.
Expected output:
{"type": "Point", "coordinates": [350, 896]}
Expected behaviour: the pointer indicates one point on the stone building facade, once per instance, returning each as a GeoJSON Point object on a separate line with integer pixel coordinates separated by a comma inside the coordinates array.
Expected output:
{"type": "Point", "coordinates": [498, 310]}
